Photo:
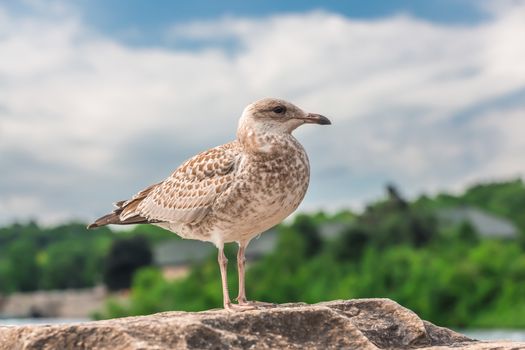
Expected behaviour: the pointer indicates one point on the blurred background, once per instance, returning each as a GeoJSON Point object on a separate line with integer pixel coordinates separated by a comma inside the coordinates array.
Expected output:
{"type": "Point", "coordinates": [417, 189]}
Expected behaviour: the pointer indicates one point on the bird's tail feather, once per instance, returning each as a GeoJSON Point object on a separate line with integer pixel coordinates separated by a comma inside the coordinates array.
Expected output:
{"type": "Point", "coordinates": [114, 218]}
{"type": "Point", "coordinates": [126, 212]}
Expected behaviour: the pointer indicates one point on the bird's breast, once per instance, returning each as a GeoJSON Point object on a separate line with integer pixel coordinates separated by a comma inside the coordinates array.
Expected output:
{"type": "Point", "coordinates": [266, 190]}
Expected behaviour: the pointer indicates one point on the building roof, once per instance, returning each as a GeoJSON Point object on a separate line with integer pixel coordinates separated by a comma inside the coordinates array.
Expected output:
{"type": "Point", "coordinates": [181, 252]}
{"type": "Point", "coordinates": [485, 224]}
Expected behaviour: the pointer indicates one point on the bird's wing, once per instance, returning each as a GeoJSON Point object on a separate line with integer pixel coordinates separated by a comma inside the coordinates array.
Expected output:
{"type": "Point", "coordinates": [189, 193]}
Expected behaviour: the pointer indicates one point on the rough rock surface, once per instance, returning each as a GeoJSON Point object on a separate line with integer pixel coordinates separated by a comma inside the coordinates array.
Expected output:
{"type": "Point", "coordinates": [350, 324]}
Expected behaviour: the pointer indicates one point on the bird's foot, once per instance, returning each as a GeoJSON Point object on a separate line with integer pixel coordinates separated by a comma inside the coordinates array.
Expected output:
{"type": "Point", "coordinates": [238, 307]}
{"type": "Point", "coordinates": [254, 303]}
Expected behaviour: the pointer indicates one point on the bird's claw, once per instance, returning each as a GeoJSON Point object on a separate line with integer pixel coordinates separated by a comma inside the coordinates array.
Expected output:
{"type": "Point", "coordinates": [256, 304]}
{"type": "Point", "coordinates": [239, 307]}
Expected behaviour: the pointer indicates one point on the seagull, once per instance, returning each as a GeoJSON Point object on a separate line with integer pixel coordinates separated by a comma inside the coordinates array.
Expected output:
{"type": "Point", "coordinates": [233, 192]}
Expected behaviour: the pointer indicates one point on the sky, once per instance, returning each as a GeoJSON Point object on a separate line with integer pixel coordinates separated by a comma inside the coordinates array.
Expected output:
{"type": "Point", "coordinates": [99, 99]}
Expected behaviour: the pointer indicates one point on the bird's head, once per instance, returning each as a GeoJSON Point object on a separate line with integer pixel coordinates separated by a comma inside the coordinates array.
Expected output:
{"type": "Point", "coordinates": [274, 116]}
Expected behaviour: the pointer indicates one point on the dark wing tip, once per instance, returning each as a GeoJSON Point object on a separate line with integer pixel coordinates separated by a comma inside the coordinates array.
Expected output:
{"type": "Point", "coordinates": [92, 226]}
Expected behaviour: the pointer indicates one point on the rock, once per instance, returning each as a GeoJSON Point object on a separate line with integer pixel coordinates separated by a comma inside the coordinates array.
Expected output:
{"type": "Point", "coordinates": [344, 324]}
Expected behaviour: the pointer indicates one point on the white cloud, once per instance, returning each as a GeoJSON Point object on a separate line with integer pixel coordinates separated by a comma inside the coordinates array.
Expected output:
{"type": "Point", "coordinates": [26, 207]}
{"type": "Point", "coordinates": [508, 127]}
{"type": "Point", "coordinates": [85, 119]}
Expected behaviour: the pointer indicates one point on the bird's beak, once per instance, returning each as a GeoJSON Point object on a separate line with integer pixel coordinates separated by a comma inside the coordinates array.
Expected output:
{"type": "Point", "coordinates": [316, 119]}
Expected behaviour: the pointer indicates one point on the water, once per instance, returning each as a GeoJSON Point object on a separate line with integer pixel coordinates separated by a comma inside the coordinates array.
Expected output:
{"type": "Point", "coordinates": [40, 321]}
{"type": "Point", "coordinates": [480, 334]}
{"type": "Point", "coordinates": [495, 334]}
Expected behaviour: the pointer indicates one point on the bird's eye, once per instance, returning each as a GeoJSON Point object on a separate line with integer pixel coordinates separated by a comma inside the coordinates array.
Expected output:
{"type": "Point", "coordinates": [279, 110]}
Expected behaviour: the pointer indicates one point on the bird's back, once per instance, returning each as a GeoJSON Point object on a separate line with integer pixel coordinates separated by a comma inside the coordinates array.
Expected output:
{"type": "Point", "coordinates": [186, 196]}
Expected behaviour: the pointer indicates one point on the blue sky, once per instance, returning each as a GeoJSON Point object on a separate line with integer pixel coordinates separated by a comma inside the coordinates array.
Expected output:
{"type": "Point", "coordinates": [100, 98]}
{"type": "Point", "coordinates": [139, 23]}
{"type": "Point", "coordinates": [119, 16]}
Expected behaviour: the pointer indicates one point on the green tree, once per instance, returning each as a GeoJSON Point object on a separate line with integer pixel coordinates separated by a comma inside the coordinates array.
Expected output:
{"type": "Point", "coordinates": [309, 231]}
{"type": "Point", "coordinates": [125, 256]}
{"type": "Point", "coordinates": [22, 266]}
{"type": "Point", "coordinates": [69, 264]}
{"type": "Point", "coordinates": [350, 245]}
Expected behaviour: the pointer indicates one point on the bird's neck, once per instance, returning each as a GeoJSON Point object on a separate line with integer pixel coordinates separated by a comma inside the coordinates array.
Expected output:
{"type": "Point", "coordinates": [264, 142]}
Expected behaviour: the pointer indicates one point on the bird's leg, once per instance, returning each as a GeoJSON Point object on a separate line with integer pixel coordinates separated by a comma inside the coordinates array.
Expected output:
{"type": "Point", "coordinates": [241, 260]}
{"type": "Point", "coordinates": [223, 263]}
{"type": "Point", "coordinates": [241, 298]}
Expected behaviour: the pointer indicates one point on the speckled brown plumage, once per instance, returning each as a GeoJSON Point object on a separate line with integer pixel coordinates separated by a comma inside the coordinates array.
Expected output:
{"type": "Point", "coordinates": [232, 192]}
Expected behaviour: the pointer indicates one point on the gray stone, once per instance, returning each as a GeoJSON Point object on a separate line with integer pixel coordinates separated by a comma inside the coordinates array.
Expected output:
{"type": "Point", "coordinates": [344, 324]}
